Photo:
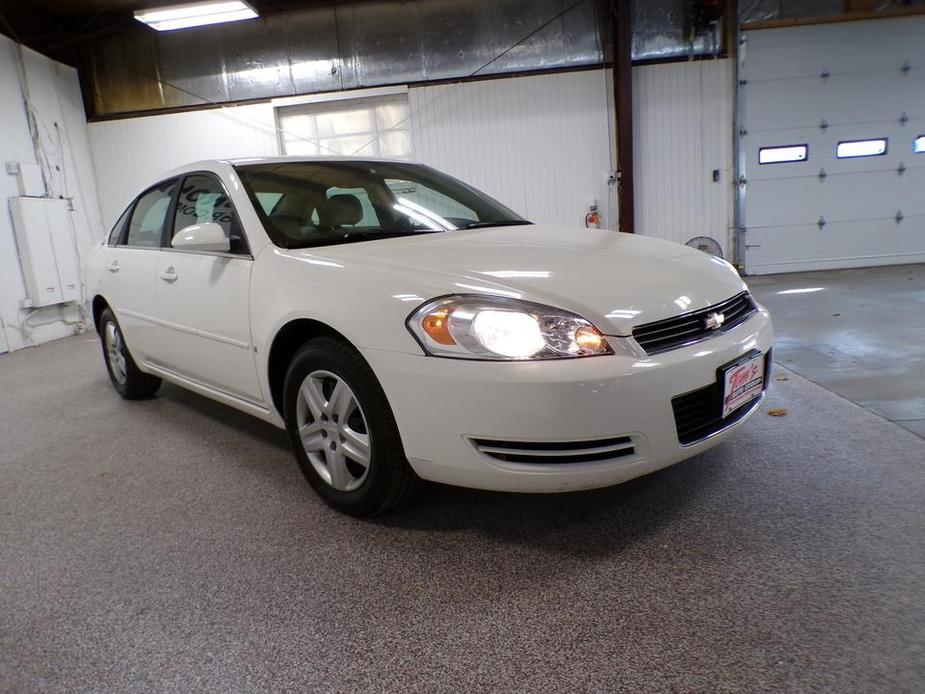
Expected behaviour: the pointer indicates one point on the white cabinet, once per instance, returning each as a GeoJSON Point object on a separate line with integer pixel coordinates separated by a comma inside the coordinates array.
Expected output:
{"type": "Point", "coordinates": [46, 250]}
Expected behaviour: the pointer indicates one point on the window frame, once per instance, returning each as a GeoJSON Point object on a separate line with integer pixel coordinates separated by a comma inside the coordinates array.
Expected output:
{"type": "Point", "coordinates": [886, 147]}
{"type": "Point", "coordinates": [170, 229]}
{"type": "Point", "coordinates": [123, 236]}
{"type": "Point", "coordinates": [115, 234]}
{"type": "Point", "coordinates": [805, 159]}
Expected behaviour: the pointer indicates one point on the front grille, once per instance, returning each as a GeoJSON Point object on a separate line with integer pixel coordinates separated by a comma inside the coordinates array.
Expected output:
{"type": "Point", "coordinates": [556, 452]}
{"type": "Point", "coordinates": [698, 414]}
{"type": "Point", "coordinates": [687, 328]}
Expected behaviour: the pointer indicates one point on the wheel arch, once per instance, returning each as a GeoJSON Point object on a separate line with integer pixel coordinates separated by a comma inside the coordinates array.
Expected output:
{"type": "Point", "coordinates": [98, 305]}
{"type": "Point", "coordinates": [287, 341]}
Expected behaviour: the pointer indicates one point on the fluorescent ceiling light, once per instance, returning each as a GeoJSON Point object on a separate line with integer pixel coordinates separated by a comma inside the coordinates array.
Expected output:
{"type": "Point", "coordinates": [195, 14]}
{"type": "Point", "coordinates": [919, 145]}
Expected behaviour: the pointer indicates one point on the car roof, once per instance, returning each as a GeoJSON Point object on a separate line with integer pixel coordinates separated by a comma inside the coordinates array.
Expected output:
{"type": "Point", "coordinates": [215, 164]}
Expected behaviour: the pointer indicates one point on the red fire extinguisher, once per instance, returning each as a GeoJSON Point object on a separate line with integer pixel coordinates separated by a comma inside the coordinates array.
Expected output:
{"type": "Point", "coordinates": [593, 218]}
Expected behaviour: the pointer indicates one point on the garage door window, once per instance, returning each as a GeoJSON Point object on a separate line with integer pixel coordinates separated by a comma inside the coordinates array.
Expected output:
{"type": "Point", "coordinates": [850, 149]}
{"type": "Point", "coordinates": [369, 127]}
{"type": "Point", "coordinates": [782, 154]}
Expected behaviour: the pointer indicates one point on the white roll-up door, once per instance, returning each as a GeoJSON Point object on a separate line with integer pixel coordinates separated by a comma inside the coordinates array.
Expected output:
{"type": "Point", "coordinates": [807, 95]}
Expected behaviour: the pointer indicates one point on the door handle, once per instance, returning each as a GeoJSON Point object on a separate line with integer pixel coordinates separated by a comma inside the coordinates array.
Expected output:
{"type": "Point", "coordinates": [113, 266]}
{"type": "Point", "coordinates": [169, 275]}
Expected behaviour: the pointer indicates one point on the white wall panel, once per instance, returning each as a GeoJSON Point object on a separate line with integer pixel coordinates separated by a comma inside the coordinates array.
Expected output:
{"type": "Point", "coordinates": [683, 132]}
{"type": "Point", "coordinates": [132, 153]}
{"type": "Point", "coordinates": [539, 144]}
{"type": "Point", "coordinates": [65, 156]}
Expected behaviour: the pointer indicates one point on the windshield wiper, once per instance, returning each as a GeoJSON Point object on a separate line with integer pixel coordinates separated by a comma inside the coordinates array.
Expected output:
{"type": "Point", "coordinates": [504, 223]}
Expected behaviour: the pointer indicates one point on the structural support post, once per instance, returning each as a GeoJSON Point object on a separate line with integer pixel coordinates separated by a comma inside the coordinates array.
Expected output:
{"type": "Point", "coordinates": [621, 14]}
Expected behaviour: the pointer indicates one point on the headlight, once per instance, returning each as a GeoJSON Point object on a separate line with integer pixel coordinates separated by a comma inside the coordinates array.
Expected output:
{"type": "Point", "coordinates": [489, 327]}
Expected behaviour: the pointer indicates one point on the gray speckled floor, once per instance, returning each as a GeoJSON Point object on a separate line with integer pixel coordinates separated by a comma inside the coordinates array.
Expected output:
{"type": "Point", "coordinates": [171, 546]}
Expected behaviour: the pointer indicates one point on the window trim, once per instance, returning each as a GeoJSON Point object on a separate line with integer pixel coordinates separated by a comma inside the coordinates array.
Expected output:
{"type": "Point", "coordinates": [886, 147]}
{"type": "Point", "coordinates": [804, 145]}
{"type": "Point", "coordinates": [115, 233]}
{"type": "Point", "coordinates": [170, 230]}
{"type": "Point", "coordinates": [123, 237]}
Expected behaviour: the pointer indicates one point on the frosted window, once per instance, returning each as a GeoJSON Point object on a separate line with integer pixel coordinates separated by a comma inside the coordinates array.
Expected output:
{"type": "Point", "coordinates": [780, 155]}
{"type": "Point", "coordinates": [367, 127]}
{"type": "Point", "coordinates": [861, 148]}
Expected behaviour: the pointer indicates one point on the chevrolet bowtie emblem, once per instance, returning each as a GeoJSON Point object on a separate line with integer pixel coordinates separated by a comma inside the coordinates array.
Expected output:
{"type": "Point", "coordinates": [715, 321]}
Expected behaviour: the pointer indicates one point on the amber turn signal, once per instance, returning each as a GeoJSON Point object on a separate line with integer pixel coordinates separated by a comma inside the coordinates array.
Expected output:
{"type": "Point", "coordinates": [437, 326]}
{"type": "Point", "coordinates": [589, 339]}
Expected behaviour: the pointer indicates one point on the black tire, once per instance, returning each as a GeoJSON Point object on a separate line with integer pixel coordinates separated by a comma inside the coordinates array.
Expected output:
{"type": "Point", "coordinates": [133, 384]}
{"type": "Point", "coordinates": [388, 478]}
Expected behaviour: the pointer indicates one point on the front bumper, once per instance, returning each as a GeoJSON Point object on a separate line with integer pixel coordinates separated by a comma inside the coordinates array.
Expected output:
{"type": "Point", "coordinates": [442, 405]}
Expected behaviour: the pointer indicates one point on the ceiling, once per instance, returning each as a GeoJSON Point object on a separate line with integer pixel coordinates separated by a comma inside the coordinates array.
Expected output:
{"type": "Point", "coordinates": [57, 27]}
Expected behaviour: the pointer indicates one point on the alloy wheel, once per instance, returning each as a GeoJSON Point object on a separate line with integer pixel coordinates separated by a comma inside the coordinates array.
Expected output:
{"type": "Point", "coordinates": [115, 353]}
{"type": "Point", "coordinates": [333, 430]}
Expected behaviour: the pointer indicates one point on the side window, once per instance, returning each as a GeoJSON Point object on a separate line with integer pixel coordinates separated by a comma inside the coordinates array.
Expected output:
{"type": "Point", "coordinates": [147, 223]}
{"type": "Point", "coordinates": [202, 199]}
{"type": "Point", "coordinates": [424, 205]}
{"type": "Point", "coordinates": [118, 227]}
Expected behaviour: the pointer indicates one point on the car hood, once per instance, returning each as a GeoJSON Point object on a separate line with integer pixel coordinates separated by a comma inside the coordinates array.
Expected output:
{"type": "Point", "coordinates": [615, 280]}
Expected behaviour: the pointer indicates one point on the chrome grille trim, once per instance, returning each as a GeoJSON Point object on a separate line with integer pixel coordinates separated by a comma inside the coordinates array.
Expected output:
{"type": "Point", "coordinates": [690, 328]}
{"type": "Point", "coordinates": [556, 452]}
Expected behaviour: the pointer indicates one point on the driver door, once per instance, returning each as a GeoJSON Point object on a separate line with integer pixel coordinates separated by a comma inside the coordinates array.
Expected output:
{"type": "Point", "coordinates": [203, 296]}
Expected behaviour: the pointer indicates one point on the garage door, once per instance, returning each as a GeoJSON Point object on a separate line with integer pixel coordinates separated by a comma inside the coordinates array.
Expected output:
{"type": "Point", "coordinates": [832, 145]}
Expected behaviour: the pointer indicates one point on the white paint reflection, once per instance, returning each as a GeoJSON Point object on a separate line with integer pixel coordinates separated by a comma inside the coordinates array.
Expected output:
{"type": "Point", "coordinates": [489, 290]}
{"type": "Point", "coordinates": [513, 274]}
{"type": "Point", "coordinates": [802, 290]}
{"type": "Point", "coordinates": [623, 313]}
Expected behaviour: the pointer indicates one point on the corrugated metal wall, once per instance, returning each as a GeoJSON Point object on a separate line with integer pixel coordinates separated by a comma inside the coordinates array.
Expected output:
{"type": "Point", "coordinates": [539, 144]}
{"type": "Point", "coordinates": [683, 132]}
{"type": "Point", "coordinates": [131, 154]}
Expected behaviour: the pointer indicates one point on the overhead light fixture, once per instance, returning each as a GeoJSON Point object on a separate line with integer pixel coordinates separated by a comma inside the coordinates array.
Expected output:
{"type": "Point", "coordinates": [195, 14]}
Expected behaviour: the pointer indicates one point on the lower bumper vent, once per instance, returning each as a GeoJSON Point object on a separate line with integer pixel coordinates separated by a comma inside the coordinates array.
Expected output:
{"type": "Point", "coordinates": [556, 452]}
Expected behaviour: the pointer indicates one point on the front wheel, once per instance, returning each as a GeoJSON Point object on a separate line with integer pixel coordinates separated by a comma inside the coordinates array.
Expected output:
{"type": "Point", "coordinates": [342, 430]}
{"type": "Point", "coordinates": [131, 382]}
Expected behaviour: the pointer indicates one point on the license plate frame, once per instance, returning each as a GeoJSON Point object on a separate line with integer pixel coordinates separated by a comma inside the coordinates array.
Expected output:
{"type": "Point", "coordinates": [742, 381]}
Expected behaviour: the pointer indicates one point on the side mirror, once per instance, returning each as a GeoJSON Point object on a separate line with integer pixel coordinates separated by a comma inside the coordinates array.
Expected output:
{"type": "Point", "coordinates": [201, 237]}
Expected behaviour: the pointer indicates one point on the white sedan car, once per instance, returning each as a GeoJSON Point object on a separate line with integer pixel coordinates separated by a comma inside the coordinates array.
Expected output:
{"type": "Point", "coordinates": [401, 325]}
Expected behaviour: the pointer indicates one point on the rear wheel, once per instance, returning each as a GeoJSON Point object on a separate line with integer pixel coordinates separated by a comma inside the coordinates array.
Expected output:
{"type": "Point", "coordinates": [131, 382]}
{"type": "Point", "coordinates": [342, 430]}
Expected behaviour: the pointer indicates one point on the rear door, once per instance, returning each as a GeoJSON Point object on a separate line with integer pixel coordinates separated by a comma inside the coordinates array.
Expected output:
{"type": "Point", "coordinates": [203, 297]}
{"type": "Point", "coordinates": [131, 267]}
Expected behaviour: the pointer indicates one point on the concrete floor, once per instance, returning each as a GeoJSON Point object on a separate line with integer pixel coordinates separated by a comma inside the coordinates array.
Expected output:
{"type": "Point", "coordinates": [171, 545]}
{"type": "Point", "coordinates": [858, 333]}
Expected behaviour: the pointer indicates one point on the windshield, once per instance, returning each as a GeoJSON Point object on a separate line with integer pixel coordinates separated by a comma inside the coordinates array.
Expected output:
{"type": "Point", "coordinates": [317, 203]}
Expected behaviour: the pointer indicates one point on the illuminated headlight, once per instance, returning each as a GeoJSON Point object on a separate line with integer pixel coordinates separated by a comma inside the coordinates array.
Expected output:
{"type": "Point", "coordinates": [488, 327]}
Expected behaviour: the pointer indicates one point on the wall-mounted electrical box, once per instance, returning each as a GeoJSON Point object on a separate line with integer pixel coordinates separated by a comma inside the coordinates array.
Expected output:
{"type": "Point", "coordinates": [46, 250]}
{"type": "Point", "coordinates": [28, 178]}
